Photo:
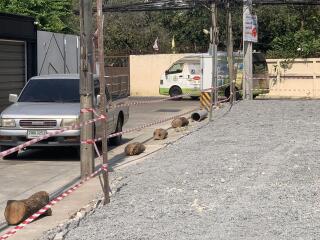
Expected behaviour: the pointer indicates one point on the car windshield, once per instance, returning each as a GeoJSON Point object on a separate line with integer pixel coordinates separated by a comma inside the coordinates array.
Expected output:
{"type": "Point", "coordinates": [51, 90]}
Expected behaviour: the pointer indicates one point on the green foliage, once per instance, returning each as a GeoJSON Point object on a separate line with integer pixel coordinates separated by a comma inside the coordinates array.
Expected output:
{"type": "Point", "coordinates": [284, 31]}
{"type": "Point", "coordinates": [51, 15]}
{"type": "Point", "coordinates": [289, 32]}
{"type": "Point", "coordinates": [303, 43]}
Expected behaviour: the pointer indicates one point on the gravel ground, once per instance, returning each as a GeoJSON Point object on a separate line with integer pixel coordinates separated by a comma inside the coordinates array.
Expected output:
{"type": "Point", "coordinates": [251, 174]}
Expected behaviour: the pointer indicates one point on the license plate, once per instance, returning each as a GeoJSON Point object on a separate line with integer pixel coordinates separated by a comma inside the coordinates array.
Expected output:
{"type": "Point", "coordinates": [36, 133]}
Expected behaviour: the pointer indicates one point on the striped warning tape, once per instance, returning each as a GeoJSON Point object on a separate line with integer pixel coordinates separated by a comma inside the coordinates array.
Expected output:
{"type": "Point", "coordinates": [44, 209]}
{"type": "Point", "coordinates": [92, 141]}
{"type": "Point", "coordinates": [50, 134]}
{"type": "Point", "coordinates": [285, 90]}
{"type": "Point", "coordinates": [161, 100]}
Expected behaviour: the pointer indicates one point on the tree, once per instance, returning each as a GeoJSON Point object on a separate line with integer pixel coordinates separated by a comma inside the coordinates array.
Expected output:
{"type": "Point", "coordinates": [51, 15]}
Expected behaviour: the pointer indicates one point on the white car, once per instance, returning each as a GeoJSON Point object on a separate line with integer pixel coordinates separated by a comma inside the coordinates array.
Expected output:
{"type": "Point", "coordinates": [48, 103]}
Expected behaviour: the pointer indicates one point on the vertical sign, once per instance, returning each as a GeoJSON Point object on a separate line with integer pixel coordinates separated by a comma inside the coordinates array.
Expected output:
{"type": "Point", "coordinates": [250, 28]}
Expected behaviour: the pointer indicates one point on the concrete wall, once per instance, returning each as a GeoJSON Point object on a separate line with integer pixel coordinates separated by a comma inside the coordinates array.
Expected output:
{"type": "Point", "coordinates": [301, 78]}
{"type": "Point", "coordinates": [297, 79]}
{"type": "Point", "coordinates": [145, 72]}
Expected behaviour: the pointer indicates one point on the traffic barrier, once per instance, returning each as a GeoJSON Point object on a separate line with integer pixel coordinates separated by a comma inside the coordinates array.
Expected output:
{"type": "Point", "coordinates": [43, 210]}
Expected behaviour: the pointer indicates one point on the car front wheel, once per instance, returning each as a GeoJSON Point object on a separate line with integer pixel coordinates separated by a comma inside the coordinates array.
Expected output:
{"type": "Point", "coordinates": [116, 141]}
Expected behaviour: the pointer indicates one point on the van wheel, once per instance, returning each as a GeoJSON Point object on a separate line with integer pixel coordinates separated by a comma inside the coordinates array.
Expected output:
{"type": "Point", "coordinates": [227, 93]}
{"type": "Point", "coordinates": [116, 141]}
{"type": "Point", "coordinates": [175, 91]}
{"type": "Point", "coordinates": [194, 97]}
{"type": "Point", "coordinates": [10, 156]}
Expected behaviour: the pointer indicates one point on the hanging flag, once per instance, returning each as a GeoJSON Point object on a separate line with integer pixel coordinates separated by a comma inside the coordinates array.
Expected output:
{"type": "Point", "coordinates": [155, 45]}
{"type": "Point", "coordinates": [173, 43]}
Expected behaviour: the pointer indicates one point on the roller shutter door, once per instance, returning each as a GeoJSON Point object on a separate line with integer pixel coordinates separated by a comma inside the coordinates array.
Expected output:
{"type": "Point", "coordinates": [12, 69]}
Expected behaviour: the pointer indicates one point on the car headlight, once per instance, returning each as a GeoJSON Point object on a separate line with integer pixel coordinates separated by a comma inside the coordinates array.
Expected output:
{"type": "Point", "coordinates": [67, 122]}
{"type": "Point", "coordinates": [7, 122]}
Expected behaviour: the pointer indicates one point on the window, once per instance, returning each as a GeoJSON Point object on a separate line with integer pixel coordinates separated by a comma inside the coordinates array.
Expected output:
{"type": "Point", "coordinates": [176, 68]}
{"type": "Point", "coordinates": [194, 69]}
{"type": "Point", "coordinates": [51, 90]}
{"type": "Point", "coordinates": [97, 90]}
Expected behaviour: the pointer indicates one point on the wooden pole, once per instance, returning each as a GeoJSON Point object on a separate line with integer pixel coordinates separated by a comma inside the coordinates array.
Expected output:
{"type": "Point", "coordinates": [247, 51]}
{"type": "Point", "coordinates": [103, 102]}
{"type": "Point", "coordinates": [86, 86]}
{"type": "Point", "coordinates": [214, 49]}
{"type": "Point", "coordinates": [230, 54]}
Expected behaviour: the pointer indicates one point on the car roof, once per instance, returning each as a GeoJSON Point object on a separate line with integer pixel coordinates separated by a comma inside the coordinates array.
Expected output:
{"type": "Point", "coordinates": [59, 76]}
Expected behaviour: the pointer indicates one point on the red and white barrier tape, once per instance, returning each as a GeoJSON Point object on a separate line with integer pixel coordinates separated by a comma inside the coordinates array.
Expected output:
{"type": "Point", "coordinates": [161, 100]}
{"type": "Point", "coordinates": [285, 89]}
{"type": "Point", "coordinates": [92, 141]}
{"type": "Point", "coordinates": [51, 203]}
{"type": "Point", "coordinates": [89, 110]}
{"type": "Point", "coordinates": [56, 132]}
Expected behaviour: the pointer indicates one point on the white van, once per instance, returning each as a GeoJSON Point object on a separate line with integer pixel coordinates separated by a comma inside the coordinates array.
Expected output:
{"type": "Point", "coordinates": [182, 77]}
{"type": "Point", "coordinates": [187, 75]}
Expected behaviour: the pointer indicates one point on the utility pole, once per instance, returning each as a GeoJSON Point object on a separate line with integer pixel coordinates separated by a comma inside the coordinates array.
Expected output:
{"type": "Point", "coordinates": [214, 49]}
{"type": "Point", "coordinates": [103, 101]}
{"type": "Point", "coordinates": [86, 86]}
{"type": "Point", "coordinates": [230, 54]}
{"type": "Point", "coordinates": [247, 51]}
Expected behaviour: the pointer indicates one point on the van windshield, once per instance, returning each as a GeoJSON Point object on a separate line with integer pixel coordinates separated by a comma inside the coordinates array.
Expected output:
{"type": "Point", "coordinates": [176, 68]}
{"type": "Point", "coordinates": [51, 90]}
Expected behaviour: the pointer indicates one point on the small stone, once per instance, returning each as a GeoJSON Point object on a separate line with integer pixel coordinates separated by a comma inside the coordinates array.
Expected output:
{"type": "Point", "coordinates": [222, 180]}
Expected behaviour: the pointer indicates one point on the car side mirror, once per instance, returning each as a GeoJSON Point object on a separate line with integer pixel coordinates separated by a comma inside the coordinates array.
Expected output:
{"type": "Point", "coordinates": [13, 98]}
{"type": "Point", "coordinates": [98, 99]}
{"type": "Point", "coordinates": [167, 72]}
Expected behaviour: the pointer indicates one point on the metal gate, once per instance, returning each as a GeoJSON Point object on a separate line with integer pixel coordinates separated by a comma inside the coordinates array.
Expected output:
{"type": "Point", "coordinates": [57, 53]}
{"type": "Point", "coordinates": [118, 76]}
{"type": "Point", "coordinates": [12, 69]}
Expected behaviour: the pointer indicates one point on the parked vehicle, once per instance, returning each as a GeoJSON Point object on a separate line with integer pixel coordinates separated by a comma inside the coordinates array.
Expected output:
{"type": "Point", "coordinates": [48, 103]}
{"type": "Point", "coordinates": [192, 73]}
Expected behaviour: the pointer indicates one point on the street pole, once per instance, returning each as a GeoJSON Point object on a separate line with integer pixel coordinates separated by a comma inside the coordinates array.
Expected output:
{"type": "Point", "coordinates": [230, 54]}
{"type": "Point", "coordinates": [247, 51]}
{"type": "Point", "coordinates": [214, 48]}
{"type": "Point", "coordinates": [86, 86]}
{"type": "Point", "coordinates": [103, 101]}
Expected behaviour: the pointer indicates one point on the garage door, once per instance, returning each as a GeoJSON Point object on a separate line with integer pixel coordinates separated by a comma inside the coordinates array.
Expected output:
{"type": "Point", "coordinates": [12, 69]}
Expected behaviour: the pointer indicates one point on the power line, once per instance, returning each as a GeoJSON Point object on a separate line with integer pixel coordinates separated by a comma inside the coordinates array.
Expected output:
{"type": "Point", "coordinates": [161, 5]}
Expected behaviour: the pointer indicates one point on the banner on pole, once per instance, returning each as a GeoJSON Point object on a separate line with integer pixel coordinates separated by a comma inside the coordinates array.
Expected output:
{"type": "Point", "coordinates": [250, 28]}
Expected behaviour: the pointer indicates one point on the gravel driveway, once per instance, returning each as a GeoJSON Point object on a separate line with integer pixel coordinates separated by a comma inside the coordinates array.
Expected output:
{"type": "Point", "coordinates": [251, 174]}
